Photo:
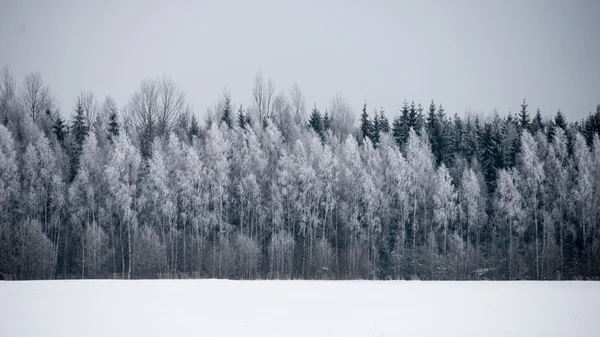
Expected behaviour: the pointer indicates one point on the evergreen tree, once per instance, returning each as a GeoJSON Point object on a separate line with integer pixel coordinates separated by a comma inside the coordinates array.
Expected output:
{"type": "Point", "coordinates": [113, 125]}
{"type": "Point", "coordinates": [400, 126]}
{"type": "Point", "coordinates": [458, 136]}
{"type": "Point", "coordinates": [431, 118]}
{"type": "Point", "coordinates": [446, 145]}
{"type": "Point", "coordinates": [79, 131]}
{"type": "Point", "coordinates": [538, 122]}
{"type": "Point", "coordinates": [384, 124]}
{"type": "Point", "coordinates": [366, 127]}
{"type": "Point", "coordinates": [550, 131]}
{"type": "Point", "coordinates": [524, 116]}
{"type": "Point", "coordinates": [420, 121]}
{"type": "Point", "coordinates": [397, 130]}
{"type": "Point", "coordinates": [560, 121]}
{"type": "Point", "coordinates": [316, 121]}
{"type": "Point", "coordinates": [489, 156]}
{"type": "Point", "coordinates": [226, 117]}
{"type": "Point", "coordinates": [59, 130]}
{"type": "Point", "coordinates": [591, 126]}
{"type": "Point", "coordinates": [194, 128]}
{"type": "Point", "coordinates": [413, 117]}
{"type": "Point", "coordinates": [434, 130]}
{"type": "Point", "coordinates": [326, 121]}
{"type": "Point", "coordinates": [376, 129]}
{"type": "Point", "coordinates": [241, 117]}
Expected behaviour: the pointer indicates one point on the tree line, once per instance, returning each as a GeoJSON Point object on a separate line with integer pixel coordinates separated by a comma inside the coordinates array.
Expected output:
{"type": "Point", "coordinates": [276, 191]}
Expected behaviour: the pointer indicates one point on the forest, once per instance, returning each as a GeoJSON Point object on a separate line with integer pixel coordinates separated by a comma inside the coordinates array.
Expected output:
{"type": "Point", "coordinates": [283, 189]}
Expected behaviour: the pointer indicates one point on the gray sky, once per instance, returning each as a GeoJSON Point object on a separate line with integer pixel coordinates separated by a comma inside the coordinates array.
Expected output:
{"type": "Point", "coordinates": [469, 55]}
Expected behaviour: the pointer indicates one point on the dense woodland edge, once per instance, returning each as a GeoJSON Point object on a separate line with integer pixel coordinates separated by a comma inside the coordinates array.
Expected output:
{"type": "Point", "coordinates": [275, 191]}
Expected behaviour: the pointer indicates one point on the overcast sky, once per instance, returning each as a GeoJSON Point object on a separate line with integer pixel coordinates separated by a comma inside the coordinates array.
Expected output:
{"type": "Point", "coordinates": [469, 55]}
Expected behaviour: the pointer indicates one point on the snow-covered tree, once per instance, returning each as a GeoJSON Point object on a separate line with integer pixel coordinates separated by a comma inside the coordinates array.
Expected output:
{"type": "Point", "coordinates": [120, 176]}
{"type": "Point", "coordinates": [510, 212]}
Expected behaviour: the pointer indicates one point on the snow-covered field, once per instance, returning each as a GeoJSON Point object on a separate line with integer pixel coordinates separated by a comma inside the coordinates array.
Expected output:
{"type": "Point", "coordinates": [298, 308]}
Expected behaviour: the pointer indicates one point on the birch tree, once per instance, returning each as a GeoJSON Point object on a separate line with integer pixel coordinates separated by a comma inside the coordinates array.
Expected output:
{"type": "Point", "coordinates": [36, 96]}
{"type": "Point", "coordinates": [120, 176]}
{"type": "Point", "coordinates": [509, 205]}
{"type": "Point", "coordinates": [531, 170]}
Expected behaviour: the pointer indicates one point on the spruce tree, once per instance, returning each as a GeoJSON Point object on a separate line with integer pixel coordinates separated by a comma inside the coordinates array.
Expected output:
{"type": "Point", "coordinates": [420, 122]}
{"type": "Point", "coordinates": [538, 122]}
{"type": "Point", "coordinates": [241, 117]}
{"type": "Point", "coordinates": [443, 133]}
{"type": "Point", "coordinates": [316, 121]}
{"type": "Point", "coordinates": [366, 127]}
{"type": "Point", "coordinates": [227, 111]}
{"type": "Point", "coordinates": [458, 139]}
{"type": "Point", "coordinates": [433, 129]}
{"type": "Point", "coordinates": [413, 117]}
{"type": "Point", "coordinates": [560, 121]}
{"type": "Point", "coordinates": [489, 156]}
{"type": "Point", "coordinates": [376, 129]}
{"type": "Point", "coordinates": [113, 125]}
{"type": "Point", "coordinates": [550, 132]}
{"type": "Point", "coordinates": [194, 128]}
{"type": "Point", "coordinates": [326, 122]}
{"type": "Point", "coordinates": [59, 130]}
{"type": "Point", "coordinates": [397, 130]}
{"type": "Point", "coordinates": [431, 117]}
{"type": "Point", "coordinates": [524, 116]}
{"type": "Point", "coordinates": [510, 118]}
{"type": "Point", "coordinates": [79, 130]}
{"type": "Point", "coordinates": [403, 125]}
{"type": "Point", "coordinates": [384, 124]}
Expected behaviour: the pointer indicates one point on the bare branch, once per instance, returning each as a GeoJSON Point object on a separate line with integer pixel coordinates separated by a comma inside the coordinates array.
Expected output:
{"type": "Point", "coordinates": [35, 96]}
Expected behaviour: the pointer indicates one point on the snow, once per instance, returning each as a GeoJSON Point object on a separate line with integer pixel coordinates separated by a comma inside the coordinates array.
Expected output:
{"type": "Point", "coordinates": [298, 308]}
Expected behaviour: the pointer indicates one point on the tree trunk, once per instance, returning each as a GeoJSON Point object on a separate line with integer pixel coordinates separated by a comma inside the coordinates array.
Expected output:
{"type": "Point", "coordinates": [562, 257]}
{"type": "Point", "coordinates": [83, 255]}
{"type": "Point", "coordinates": [129, 250]}
{"type": "Point", "coordinates": [510, 251]}
{"type": "Point", "coordinates": [537, 256]}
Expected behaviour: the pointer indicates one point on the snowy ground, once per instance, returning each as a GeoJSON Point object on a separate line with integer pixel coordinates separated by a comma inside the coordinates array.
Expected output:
{"type": "Point", "coordinates": [298, 308]}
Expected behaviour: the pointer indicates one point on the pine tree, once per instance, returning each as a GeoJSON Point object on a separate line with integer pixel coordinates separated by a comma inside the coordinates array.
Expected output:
{"type": "Point", "coordinates": [366, 127]}
{"type": "Point", "coordinates": [413, 117]}
{"type": "Point", "coordinates": [510, 119]}
{"type": "Point", "coordinates": [326, 121]}
{"type": "Point", "coordinates": [550, 131]}
{"type": "Point", "coordinates": [488, 156]}
{"type": "Point", "coordinates": [538, 122]}
{"type": "Point", "coordinates": [113, 125]}
{"type": "Point", "coordinates": [241, 117]}
{"type": "Point", "coordinates": [434, 131]}
{"type": "Point", "coordinates": [226, 117]}
{"type": "Point", "coordinates": [444, 142]}
{"type": "Point", "coordinates": [59, 130]}
{"type": "Point", "coordinates": [397, 130]}
{"type": "Point", "coordinates": [79, 130]}
{"type": "Point", "coordinates": [375, 132]}
{"type": "Point", "coordinates": [560, 121]}
{"type": "Point", "coordinates": [420, 121]}
{"type": "Point", "coordinates": [459, 136]}
{"type": "Point", "coordinates": [384, 124]}
{"type": "Point", "coordinates": [431, 118]}
{"type": "Point", "coordinates": [194, 128]}
{"type": "Point", "coordinates": [524, 116]}
{"type": "Point", "coordinates": [316, 121]}
{"type": "Point", "coordinates": [400, 126]}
